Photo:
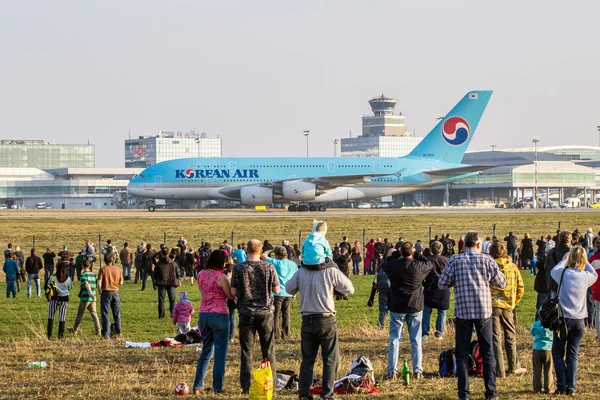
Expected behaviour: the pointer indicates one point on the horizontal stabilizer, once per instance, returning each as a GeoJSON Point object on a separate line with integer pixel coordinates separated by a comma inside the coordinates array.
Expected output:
{"type": "Point", "coordinates": [458, 171]}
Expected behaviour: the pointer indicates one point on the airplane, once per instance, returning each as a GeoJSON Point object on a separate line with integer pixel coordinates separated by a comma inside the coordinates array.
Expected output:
{"type": "Point", "coordinates": [434, 161]}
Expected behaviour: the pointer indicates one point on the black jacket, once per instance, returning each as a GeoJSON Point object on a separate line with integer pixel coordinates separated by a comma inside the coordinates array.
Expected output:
{"type": "Point", "coordinates": [166, 272]}
{"type": "Point", "coordinates": [342, 263]}
{"type": "Point", "coordinates": [511, 243]}
{"type": "Point", "coordinates": [527, 249]}
{"type": "Point", "coordinates": [554, 257]}
{"type": "Point", "coordinates": [434, 296]}
{"type": "Point", "coordinates": [406, 280]}
{"type": "Point", "coordinates": [33, 264]}
{"type": "Point", "coordinates": [540, 285]}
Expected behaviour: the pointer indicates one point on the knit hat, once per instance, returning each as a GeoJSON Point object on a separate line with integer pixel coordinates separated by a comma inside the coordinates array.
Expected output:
{"type": "Point", "coordinates": [183, 296]}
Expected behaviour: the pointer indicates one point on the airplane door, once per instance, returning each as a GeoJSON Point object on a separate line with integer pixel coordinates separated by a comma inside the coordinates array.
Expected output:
{"type": "Point", "coordinates": [232, 165]}
{"type": "Point", "coordinates": [376, 166]}
{"type": "Point", "coordinates": [331, 166]}
{"type": "Point", "coordinates": [157, 179]}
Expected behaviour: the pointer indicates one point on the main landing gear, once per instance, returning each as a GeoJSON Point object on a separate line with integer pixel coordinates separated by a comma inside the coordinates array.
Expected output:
{"type": "Point", "coordinates": [306, 208]}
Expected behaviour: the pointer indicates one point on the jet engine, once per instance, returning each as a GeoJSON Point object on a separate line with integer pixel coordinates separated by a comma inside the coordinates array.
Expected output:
{"type": "Point", "coordinates": [299, 191]}
{"type": "Point", "coordinates": [256, 196]}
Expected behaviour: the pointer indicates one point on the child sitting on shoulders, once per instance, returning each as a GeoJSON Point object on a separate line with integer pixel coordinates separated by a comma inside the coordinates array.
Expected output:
{"type": "Point", "coordinates": [542, 358]}
{"type": "Point", "coordinates": [316, 250]}
{"type": "Point", "coordinates": [182, 314]}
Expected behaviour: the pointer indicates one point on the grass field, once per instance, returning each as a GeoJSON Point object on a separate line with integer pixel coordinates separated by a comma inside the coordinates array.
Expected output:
{"type": "Point", "coordinates": [90, 368]}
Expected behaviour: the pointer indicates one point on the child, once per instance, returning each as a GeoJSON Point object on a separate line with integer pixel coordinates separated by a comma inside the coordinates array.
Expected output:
{"type": "Point", "coordinates": [316, 250]}
{"type": "Point", "coordinates": [182, 314]}
{"type": "Point", "coordinates": [382, 286]}
{"type": "Point", "coordinates": [542, 358]}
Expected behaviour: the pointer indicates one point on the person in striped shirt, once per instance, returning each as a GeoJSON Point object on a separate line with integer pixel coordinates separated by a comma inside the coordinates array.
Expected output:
{"type": "Point", "coordinates": [471, 273]}
{"type": "Point", "coordinates": [87, 299]}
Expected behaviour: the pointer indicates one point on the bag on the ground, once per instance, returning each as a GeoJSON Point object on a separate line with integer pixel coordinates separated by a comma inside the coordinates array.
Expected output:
{"type": "Point", "coordinates": [262, 383]}
{"type": "Point", "coordinates": [51, 290]}
{"type": "Point", "coordinates": [363, 368]}
{"type": "Point", "coordinates": [286, 379]}
{"type": "Point", "coordinates": [447, 363]}
{"type": "Point", "coordinates": [476, 366]}
{"type": "Point", "coordinates": [550, 310]}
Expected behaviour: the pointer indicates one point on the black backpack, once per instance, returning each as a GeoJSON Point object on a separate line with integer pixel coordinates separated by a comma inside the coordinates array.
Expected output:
{"type": "Point", "coordinates": [550, 311]}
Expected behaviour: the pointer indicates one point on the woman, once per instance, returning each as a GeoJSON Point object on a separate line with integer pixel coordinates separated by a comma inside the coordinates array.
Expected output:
{"type": "Point", "coordinates": [139, 262]}
{"type": "Point", "coordinates": [461, 244]}
{"type": "Point", "coordinates": [356, 258]}
{"type": "Point", "coordinates": [214, 320]}
{"type": "Point", "coordinates": [526, 252]}
{"type": "Point", "coordinates": [267, 245]}
{"type": "Point", "coordinates": [60, 301]}
{"type": "Point", "coordinates": [573, 276]}
{"type": "Point", "coordinates": [166, 277]}
{"type": "Point", "coordinates": [189, 265]}
{"type": "Point", "coordinates": [148, 261]}
{"type": "Point", "coordinates": [285, 269]}
{"type": "Point", "coordinates": [541, 247]}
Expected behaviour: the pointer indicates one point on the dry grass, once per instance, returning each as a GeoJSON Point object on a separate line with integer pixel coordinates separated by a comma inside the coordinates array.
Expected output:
{"type": "Point", "coordinates": [89, 368]}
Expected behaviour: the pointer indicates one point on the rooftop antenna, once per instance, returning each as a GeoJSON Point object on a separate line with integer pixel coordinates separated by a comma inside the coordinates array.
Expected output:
{"type": "Point", "coordinates": [351, 134]}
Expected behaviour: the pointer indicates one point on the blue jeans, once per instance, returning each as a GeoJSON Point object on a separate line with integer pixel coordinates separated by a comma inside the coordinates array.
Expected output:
{"type": "Point", "coordinates": [232, 311]}
{"type": "Point", "coordinates": [356, 267]}
{"type": "Point", "coordinates": [383, 310]}
{"type": "Point", "coordinates": [11, 286]}
{"type": "Point", "coordinates": [440, 322]}
{"type": "Point", "coordinates": [414, 331]}
{"type": "Point", "coordinates": [30, 279]}
{"type": "Point", "coordinates": [464, 334]}
{"type": "Point", "coordinates": [127, 272]}
{"type": "Point", "coordinates": [214, 328]}
{"type": "Point", "coordinates": [566, 373]}
{"type": "Point", "coordinates": [110, 301]}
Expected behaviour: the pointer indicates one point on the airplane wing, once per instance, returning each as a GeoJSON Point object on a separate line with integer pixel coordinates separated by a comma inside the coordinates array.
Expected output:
{"type": "Point", "coordinates": [326, 182]}
{"type": "Point", "coordinates": [458, 171]}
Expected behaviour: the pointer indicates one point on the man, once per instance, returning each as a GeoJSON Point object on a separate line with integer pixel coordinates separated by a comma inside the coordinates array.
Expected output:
{"type": "Point", "coordinates": [239, 256]}
{"type": "Point", "coordinates": [33, 266]}
{"type": "Point", "coordinates": [555, 255]}
{"type": "Point", "coordinates": [316, 284]}
{"type": "Point", "coordinates": [288, 249]}
{"type": "Point", "coordinates": [435, 297]}
{"type": "Point", "coordinates": [345, 244]}
{"type": "Point", "coordinates": [471, 273]}
{"type": "Point", "coordinates": [149, 262]}
{"type": "Point", "coordinates": [109, 248]}
{"type": "Point", "coordinates": [448, 244]}
{"type": "Point", "coordinates": [511, 246]}
{"type": "Point", "coordinates": [228, 247]}
{"type": "Point", "coordinates": [485, 246]}
{"type": "Point", "coordinates": [89, 252]}
{"type": "Point", "coordinates": [87, 299]}
{"type": "Point", "coordinates": [11, 269]}
{"type": "Point", "coordinates": [387, 246]}
{"type": "Point", "coordinates": [48, 257]}
{"type": "Point", "coordinates": [588, 240]}
{"type": "Point", "coordinates": [399, 243]}
{"type": "Point", "coordinates": [109, 280]}
{"type": "Point", "coordinates": [65, 256]}
{"type": "Point", "coordinates": [405, 302]}
{"type": "Point", "coordinates": [126, 257]}
{"type": "Point", "coordinates": [8, 252]}
{"type": "Point", "coordinates": [378, 246]}
{"type": "Point", "coordinates": [166, 279]}
{"type": "Point", "coordinates": [253, 282]}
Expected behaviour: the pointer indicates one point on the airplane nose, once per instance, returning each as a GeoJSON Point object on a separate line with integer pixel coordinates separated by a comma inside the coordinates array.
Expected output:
{"type": "Point", "coordinates": [133, 189]}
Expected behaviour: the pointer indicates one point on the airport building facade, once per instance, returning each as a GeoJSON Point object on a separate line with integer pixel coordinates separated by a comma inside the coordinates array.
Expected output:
{"type": "Point", "coordinates": [23, 153]}
{"type": "Point", "coordinates": [149, 150]}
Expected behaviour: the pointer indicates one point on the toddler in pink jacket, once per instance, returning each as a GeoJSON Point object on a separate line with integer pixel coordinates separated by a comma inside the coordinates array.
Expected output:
{"type": "Point", "coordinates": [182, 314]}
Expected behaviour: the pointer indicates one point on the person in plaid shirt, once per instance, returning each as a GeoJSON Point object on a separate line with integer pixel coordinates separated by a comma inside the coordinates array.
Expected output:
{"type": "Point", "coordinates": [471, 273]}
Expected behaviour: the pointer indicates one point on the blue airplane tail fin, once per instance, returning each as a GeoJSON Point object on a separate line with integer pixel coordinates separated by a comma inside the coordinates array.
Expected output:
{"type": "Point", "coordinates": [450, 138]}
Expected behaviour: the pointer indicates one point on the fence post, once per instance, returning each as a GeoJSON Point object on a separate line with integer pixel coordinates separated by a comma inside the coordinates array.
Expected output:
{"type": "Point", "coordinates": [299, 239]}
{"type": "Point", "coordinates": [164, 237]}
{"type": "Point", "coordinates": [33, 242]}
{"type": "Point", "coordinates": [559, 225]}
{"type": "Point", "coordinates": [430, 234]}
{"type": "Point", "coordinates": [100, 249]}
{"type": "Point", "coordinates": [232, 240]}
{"type": "Point", "coordinates": [364, 242]}
{"type": "Point", "coordinates": [494, 230]}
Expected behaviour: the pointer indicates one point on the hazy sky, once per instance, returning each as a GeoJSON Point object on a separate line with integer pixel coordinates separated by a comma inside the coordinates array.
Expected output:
{"type": "Point", "coordinates": [258, 73]}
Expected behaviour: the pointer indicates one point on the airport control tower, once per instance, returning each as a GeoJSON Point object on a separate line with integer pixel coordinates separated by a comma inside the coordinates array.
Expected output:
{"type": "Point", "coordinates": [383, 122]}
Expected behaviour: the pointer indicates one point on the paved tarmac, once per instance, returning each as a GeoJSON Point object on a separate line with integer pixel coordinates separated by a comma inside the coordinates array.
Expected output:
{"type": "Point", "coordinates": [272, 213]}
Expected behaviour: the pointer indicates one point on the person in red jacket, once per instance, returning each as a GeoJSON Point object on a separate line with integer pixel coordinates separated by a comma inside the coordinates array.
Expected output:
{"type": "Point", "coordinates": [369, 256]}
{"type": "Point", "coordinates": [182, 314]}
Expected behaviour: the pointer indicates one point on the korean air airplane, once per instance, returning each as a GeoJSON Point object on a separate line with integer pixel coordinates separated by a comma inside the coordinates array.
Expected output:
{"type": "Point", "coordinates": [262, 181]}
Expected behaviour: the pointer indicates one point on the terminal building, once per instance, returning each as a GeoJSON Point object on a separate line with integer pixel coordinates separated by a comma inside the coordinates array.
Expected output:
{"type": "Point", "coordinates": [21, 153]}
{"type": "Point", "coordinates": [383, 134]}
{"type": "Point", "coordinates": [149, 150]}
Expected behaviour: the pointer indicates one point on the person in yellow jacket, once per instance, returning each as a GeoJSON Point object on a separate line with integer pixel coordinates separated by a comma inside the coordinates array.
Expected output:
{"type": "Point", "coordinates": [504, 301]}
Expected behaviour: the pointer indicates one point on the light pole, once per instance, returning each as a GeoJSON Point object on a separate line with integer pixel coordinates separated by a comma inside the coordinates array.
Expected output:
{"type": "Point", "coordinates": [493, 146]}
{"type": "Point", "coordinates": [335, 143]}
{"type": "Point", "coordinates": [535, 142]}
{"type": "Point", "coordinates": [598, 135]}
{"type": "Point", "coordinates": [306, 133]}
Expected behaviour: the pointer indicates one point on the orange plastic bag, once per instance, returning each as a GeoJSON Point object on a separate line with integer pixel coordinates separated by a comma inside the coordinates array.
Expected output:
{"type": "Point", "coordinates": [262, 384]}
